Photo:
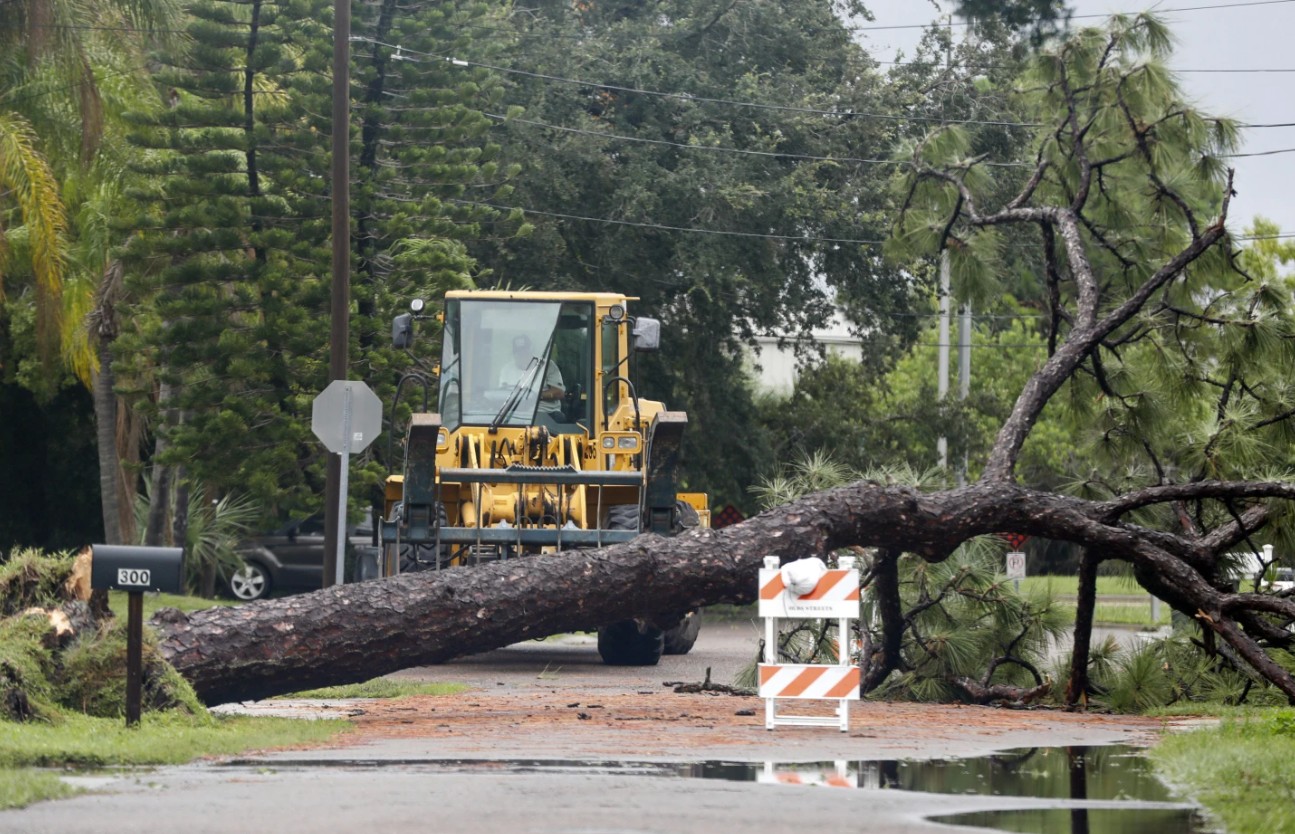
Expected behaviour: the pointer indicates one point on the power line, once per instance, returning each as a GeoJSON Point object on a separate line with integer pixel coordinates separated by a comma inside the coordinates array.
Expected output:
{"type": "Point", "coordinates": [845, 114]}
{"type": "Point", "coordinates": [875, 27]}
{"type": "Point", "coordinates": [1213, 7]}
{"type": "Point", "coordinates": [49, 91]}
{"type": "Point", "coordinates": [695, 230]}
{"type": "Point", "coordinates": [1259, 153]}
{"type": "Point", "coordinates": [1204, 70]}
{"type": "Point", "coordinates": [724, 149]}
{"type": "Point", "coordinates": [407, 54]}
{"type": "Point", "coordinates": [664, 227]}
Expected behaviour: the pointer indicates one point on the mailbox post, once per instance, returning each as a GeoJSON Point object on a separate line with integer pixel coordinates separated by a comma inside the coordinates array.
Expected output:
{"type": "Point", "coordinates": [135, 570]}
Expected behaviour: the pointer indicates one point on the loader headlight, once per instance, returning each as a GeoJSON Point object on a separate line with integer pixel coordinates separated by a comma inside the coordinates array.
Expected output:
{"type": "Point", "coordinates": [621, 443]}
{"type": "Point", "coordinates": [442, 439]}
{"type": "Point", "coordinates": [617, 312]}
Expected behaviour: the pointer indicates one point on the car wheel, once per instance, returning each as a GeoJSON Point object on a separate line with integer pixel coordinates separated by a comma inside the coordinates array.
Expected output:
{"type": "Point", "coordinates": [249, 582]}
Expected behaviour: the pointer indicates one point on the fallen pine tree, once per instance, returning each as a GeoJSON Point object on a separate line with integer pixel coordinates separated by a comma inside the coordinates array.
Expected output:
{"type": "Point", "coordinates": [355, 632]}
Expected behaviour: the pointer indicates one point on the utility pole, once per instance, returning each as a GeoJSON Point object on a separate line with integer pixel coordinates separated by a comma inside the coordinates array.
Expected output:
{"type": "Point", "coordinates": [340, 330]}
{"type": "Point", "coordinates": [964, 376]}
{"type": "Point", "coordinates": [942, 375]}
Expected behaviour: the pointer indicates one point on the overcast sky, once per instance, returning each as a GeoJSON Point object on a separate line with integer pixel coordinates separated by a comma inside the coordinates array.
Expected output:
{"type": "Point", "coordinates": [1239, 36]}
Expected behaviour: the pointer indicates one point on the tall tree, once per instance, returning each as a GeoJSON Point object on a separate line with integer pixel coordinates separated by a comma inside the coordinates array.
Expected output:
{"type": "Point", "coordinates": [227, 351]}
{"type": "Point", "coordinates": [71, 70]}
{"type": "Point", "coordinates": [726, 163]}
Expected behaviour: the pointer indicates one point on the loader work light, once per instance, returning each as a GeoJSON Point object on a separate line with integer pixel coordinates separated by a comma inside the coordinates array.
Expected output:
{"type": "Point", "coordinates": [621, 443]}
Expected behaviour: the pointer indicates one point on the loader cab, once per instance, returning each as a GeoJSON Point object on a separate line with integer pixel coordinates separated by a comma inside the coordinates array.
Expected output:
{"type": "Point", "coordinates": [509, 362]}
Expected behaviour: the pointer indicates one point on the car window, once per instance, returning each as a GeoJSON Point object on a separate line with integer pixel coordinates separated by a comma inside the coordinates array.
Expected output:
{"type": "Point", "coordinates": [313, 526]}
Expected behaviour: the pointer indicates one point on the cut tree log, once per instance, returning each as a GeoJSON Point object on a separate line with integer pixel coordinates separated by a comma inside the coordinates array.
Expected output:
{"type": "Point", "coordinates": [355, 632]}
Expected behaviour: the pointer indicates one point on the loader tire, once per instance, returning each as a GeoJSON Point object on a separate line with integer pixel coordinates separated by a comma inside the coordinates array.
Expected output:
{"type": "Point", "coordinates": [680, 638]}
{"type": "Point", "coordinates": [629, 642]}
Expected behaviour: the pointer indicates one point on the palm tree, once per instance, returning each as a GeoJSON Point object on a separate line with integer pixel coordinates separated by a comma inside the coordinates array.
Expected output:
{"type": "Point", "coordinates": [28, 184]}
{"type": "Point", "coordinates": [60, 168]}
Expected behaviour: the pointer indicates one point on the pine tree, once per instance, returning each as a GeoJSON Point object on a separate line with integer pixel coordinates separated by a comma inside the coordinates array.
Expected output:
{"type": "Point", "coordinates": [232, 342]}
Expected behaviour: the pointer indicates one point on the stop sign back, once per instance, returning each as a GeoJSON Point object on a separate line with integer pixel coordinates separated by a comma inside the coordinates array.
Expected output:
{"type": "Point", "coordinates": [346, 416]}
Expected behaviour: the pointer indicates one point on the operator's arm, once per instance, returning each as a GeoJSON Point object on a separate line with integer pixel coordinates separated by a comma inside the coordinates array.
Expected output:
{"type": "Point", "coordinates": [553, 389]}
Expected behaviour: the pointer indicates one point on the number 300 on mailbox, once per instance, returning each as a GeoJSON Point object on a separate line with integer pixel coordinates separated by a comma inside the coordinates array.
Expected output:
{"type": "Point", "coordinates": [128, 568]}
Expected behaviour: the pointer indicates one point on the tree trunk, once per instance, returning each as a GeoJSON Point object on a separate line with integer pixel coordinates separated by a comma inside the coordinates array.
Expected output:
{"type": "Point", "coordinates": [105, 426]}
{"type": "Point", "coordinates": [1085, 606]}
{"type": "Point", "coordinates": [355, 632]}
{"type": "Point", "coordinates": [890, 611]}
{"type": "Point", "coordinates": [159, 493]}
{"type": "Point", "coordinates": [101, 321]}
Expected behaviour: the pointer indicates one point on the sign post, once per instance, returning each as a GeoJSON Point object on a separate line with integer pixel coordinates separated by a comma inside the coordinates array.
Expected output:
{"type": "Point", "coordinates": [1016, 567]}
{"type": "Point", "coordinates": [1015, 557]}
{"type": "Point", "coordinates": [346, 417]}
{"type": "Point", "coordinates": [135, 570]}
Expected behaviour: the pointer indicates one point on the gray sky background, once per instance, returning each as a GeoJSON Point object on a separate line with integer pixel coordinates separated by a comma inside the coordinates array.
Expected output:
{"type": "Point", "coordinates": [1238, 38]}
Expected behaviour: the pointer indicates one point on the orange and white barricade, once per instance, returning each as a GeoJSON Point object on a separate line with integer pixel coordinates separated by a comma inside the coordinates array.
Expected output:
{"type": "Point", "coordinates": [836, 596]}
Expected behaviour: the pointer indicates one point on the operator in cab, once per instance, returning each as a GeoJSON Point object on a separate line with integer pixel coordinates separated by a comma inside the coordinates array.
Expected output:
{"type": "Point", "coordinates": [523, 358]}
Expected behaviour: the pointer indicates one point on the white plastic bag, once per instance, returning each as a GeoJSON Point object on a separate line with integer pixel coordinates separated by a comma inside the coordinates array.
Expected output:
{"type": "Point", "coordinates": [802, 575]}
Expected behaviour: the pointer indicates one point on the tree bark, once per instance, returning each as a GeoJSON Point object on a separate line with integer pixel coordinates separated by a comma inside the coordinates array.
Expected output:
{"type": "Point", "coordinates": [355, 632]}
{"type": "Point", "coordinates": [1085, 605]}
{"type": "Point", "coordinates": [885, 588]}
{"type": "Point", "coordinates": [159, 493]}
{"type": "Point", "coordinates": [105, 426]}
{"type": "Point", "coordinates": [102, 324]}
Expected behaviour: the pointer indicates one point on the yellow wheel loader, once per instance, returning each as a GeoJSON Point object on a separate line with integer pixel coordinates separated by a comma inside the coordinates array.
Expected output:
{"type": "Point", "coordinates": [541, 444]}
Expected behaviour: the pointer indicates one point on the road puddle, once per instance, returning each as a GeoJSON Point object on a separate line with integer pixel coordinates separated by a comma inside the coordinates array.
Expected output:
{"type": "Point", "coordinates": [1086, 773]}
{"type": "Point", "coordinates": [1102, 790]}
{"type": "Point", "coordinates": [1085, 821]}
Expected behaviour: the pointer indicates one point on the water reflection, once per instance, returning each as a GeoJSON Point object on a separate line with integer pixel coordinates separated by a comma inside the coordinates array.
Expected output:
{"type": "Point", "coordinates": [1090, 821]}
{"type": "Point", "coordinates": [1083, 773]}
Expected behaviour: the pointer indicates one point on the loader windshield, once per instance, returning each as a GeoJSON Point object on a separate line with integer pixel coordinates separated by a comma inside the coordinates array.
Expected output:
{"type": "Point", "coordinates": [516, 363]}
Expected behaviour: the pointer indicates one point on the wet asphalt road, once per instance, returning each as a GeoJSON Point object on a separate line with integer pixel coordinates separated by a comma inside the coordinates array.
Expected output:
{"type": "Point", "coordinates": [403, 785]}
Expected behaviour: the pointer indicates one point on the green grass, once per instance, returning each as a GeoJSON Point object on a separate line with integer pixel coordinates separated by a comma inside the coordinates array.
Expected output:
{"type": "Point", "coordinates": [1241, 770]}
{"type": "Point", "coordinates": [381, 688]}
{"type": "Point", "coordinates": [21, 787]}
{"type": "Point", "coordinates": [154, 601]}
{"type": "Point", "coordinates": [170, 738]}
{"type": "Point", "coordinates": [1069, 585]}
{"type": "Point", "coordinates": [1114, 613]}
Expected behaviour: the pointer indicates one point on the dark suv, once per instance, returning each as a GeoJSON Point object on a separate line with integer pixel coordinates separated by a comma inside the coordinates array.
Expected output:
{"type": "Point", "coordinates": [291, 559]}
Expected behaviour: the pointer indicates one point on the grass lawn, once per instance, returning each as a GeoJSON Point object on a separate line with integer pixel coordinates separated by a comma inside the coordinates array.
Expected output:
{"type": "Point", "coordinates": [23, 786]}
{"type": "Point", "coordinates": [1069, 585]}
{"type": "Point", "coordinates": [80, 741]}
{"type": "Point", "coordinates": [153, 601]}
{"type": "Point", "coordinates": [1241, 770]}
{"type": "Point", "coordinates": [381, 688]}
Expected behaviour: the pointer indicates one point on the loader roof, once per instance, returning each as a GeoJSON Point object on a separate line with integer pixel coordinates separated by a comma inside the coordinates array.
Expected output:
{"type": "Point", "coordinates": [600, 298]}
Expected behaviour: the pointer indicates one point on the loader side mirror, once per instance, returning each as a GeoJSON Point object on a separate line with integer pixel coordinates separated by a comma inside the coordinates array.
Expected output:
{"type": "Point", "coordinates": [647, 335]}
{"type": "Point", "coordinates": [402, 330]}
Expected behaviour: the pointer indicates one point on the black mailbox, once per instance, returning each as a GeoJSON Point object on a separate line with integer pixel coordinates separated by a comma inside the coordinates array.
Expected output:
{"type": "Point", "coordinates": [118, 567]}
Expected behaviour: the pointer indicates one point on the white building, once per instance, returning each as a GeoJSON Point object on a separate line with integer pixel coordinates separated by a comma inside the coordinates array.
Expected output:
{"type": "Point", "coordinates": [774, 366]}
